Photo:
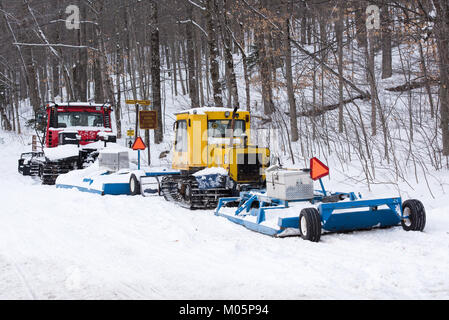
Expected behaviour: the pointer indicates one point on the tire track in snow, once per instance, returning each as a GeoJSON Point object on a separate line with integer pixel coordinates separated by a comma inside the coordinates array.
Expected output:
{"type": "Point", "coordinates": [21, 274]}
{"type": "Point", "coordinates": [24, 280]}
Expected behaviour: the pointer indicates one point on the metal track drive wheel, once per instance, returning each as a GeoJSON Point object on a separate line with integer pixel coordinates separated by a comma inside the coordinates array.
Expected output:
{"type": "Point", "coordinates": [134, 185]}
{"type": "Point", "coordinates": [185, 191]}
{"type": "Point", "coordinates": [414, 215]}
{"type": "Point", "coordinates": [310, 224]}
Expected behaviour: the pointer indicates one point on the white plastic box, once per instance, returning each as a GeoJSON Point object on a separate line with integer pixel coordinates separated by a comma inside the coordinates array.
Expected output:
{"type": "Point", "coordinates": [113, 160]}
{"type": "Point", "coordinates": [289, 184]}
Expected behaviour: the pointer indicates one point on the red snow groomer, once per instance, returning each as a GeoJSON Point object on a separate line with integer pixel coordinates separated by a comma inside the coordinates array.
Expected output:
{"type": "Point", "coordinates": [73, 134]}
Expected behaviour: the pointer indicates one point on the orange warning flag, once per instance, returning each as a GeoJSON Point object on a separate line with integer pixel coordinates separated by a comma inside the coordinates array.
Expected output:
{"type": "Point", "coordinates": [138, 144]}
{"type": "Point", "coordinates": [318, 169]}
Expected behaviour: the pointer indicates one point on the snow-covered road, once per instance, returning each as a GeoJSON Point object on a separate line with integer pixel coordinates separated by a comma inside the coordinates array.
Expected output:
{"type": "Point", "coordinates": [64, 244]}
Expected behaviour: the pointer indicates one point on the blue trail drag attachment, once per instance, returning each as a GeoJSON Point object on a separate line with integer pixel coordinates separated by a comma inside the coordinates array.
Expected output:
{"type": "Point", "coordinates": [339, 212]}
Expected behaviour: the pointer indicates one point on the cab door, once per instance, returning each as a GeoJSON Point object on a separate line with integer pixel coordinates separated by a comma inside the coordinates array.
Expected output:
{"type": "Point", "coordinates": [180, 148]}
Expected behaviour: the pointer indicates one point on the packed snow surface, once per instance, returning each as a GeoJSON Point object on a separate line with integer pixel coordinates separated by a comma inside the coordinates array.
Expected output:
{"type": "Point", "coordinates": [66, 244]}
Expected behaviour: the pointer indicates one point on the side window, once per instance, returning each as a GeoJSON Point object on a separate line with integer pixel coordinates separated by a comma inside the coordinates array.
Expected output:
{"type": "Point", "coordinates": [181, 136]}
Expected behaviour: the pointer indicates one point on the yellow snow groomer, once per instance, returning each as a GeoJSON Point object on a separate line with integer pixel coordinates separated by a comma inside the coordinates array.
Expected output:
{"type": "Point", "coordinates": [213, 153]}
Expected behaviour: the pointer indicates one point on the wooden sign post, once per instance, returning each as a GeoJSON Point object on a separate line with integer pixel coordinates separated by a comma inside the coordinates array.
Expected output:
{"type": "Point", "coordinates": [34, 143]}
{"type": "Point", "coordinates": [145, 120]}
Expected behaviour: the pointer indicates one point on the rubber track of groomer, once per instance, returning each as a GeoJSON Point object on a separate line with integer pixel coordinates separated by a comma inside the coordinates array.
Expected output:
{"type": "Point", "coordinates": [198, 199]}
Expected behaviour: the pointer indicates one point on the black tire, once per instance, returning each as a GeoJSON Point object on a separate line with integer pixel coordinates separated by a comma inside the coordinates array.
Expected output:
{"type": "Point", "coordinates": [134, 185]}
{"type": "Point", "coordinates": [415, 215]}
{"type": "Point", "coordinates": [310, 224]}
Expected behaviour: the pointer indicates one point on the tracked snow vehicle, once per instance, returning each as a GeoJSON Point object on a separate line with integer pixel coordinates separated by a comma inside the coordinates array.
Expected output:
{"type": "Point", "coordinates": [214, 157]}
{"type": "Point", "coordinates": [73, 134]}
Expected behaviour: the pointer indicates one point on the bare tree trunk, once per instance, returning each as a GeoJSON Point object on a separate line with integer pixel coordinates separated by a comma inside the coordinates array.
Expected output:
{"type": "Point", "coordinates": [289, 78]}
{"type": "Point", "coordinates": [372, 82]}
{"type": "Point", "coordinates": [303, 23]}
{"type": "Point", "coordinates": [442, 8]}
{"type": "Point", "coordinates": [245, 72]}
{"type": "Point", "coordinates": [265, 74]}
{"type": "Point", "coordinates": [426, 76]}
{"type": "Point", "coordinates": [15, 99]}
{"type": "Point", "coordinates": [98, 82]}
{"type": "Point", "coordinates": [155, 72]}
{"type": "Point", "coordinates": [193, 90]}
{"type": "Point", "coordinates": [129, 58]}
{"type": "Point", "coordinates": [199, 66]}
{"type": "Point", "coordinates": [339, 35]}
{"type": "Point", "coordinates": [387, 70]}
{"type": "Point", "coordinates": [174, 59]}
{"type": "Point", "coordinates": [213, 52]}
{"type": "Point", "coordinates": [180, 70]}
{"type": "Point", "coordinates": [32, 79]}
{"type": "Point", "coordinates": [118, 71]}
{"type": "Point", "coordinates": [360, 22]}
{"type": "Point", "coordinates": [5, 121]}
{"type": "Point", "coordinates": [223, 22]}
{"type": "Point", "coordinates": [107, 81]}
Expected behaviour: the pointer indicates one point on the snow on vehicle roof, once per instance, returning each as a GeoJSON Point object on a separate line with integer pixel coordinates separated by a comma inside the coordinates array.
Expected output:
{"type": "Point", "coordinates": [61, 152]}
{"type": "Point", "coordinates": [76, 129]}
{"type": "Point", "coordinates": [203, 110]}
{"type": "Point", "coordinates": [211, 171]}
{"type": "Point", "coordinates": [78, 104]}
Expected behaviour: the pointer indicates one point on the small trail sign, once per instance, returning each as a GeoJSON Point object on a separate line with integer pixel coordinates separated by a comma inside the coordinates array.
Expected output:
{"type": "Point", "coordinates": [148, 120]}
{"type": "Point", "coordinates": [130, 133]}
{"type": "Point", "coordinates": [139, 144]}
{"type": "Point", "coordinates": [141, 102]}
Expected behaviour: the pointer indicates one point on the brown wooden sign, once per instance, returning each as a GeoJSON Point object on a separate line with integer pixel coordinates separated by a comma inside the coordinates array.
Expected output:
{"type": "Point", "coordinates": [148, 120]}
{"type": "Point", "coordinates": [141, 102]}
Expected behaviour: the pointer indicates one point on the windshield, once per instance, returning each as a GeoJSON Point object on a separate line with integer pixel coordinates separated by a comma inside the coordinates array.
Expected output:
{"type": "Point", "coordinates": [221, 128]}
{"type": "Point", "coordinates": [80, 119]}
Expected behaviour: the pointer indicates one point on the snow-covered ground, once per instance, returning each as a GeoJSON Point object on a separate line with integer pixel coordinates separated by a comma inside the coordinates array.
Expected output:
{"type": "Point", "coordinates": [65, 244]}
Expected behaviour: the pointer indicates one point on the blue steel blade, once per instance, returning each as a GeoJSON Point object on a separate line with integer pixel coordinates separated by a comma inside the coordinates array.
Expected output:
{"type": "Point", "coordinates": [361, 220]}
{"type": "Point", "coordinates": [369, 215]}
{"type": "Point", "coordinates": [327, 209]}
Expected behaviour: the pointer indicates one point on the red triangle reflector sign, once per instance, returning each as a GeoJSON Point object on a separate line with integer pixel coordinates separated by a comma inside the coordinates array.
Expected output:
{"type": "Point", "coordinates": [318, 169]}
{"type": "Point", "coordinates": [138, 144]}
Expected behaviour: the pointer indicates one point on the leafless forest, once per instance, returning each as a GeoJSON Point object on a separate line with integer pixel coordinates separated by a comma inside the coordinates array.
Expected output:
{"type": "Point", "coordinates": [312, 69]}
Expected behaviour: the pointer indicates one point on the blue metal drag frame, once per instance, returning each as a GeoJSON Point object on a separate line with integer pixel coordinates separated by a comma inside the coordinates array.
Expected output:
{"type": "Point", "coordinates": [352, 214]}
{"type": "Point", "coordinates": [112, 188]}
